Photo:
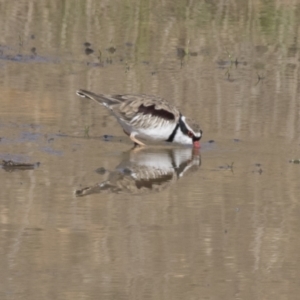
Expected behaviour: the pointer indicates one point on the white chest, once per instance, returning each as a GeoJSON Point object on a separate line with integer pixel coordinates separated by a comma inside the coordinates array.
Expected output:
{"type": "Point", "coordinates": [160, 133]}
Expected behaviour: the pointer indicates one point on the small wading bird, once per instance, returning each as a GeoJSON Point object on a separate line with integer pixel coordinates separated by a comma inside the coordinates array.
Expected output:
{"type": "Point", "coordinates": [149, 118]}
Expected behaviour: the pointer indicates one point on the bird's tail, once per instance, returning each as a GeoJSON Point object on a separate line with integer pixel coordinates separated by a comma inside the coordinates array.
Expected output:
{"type": "Point", "coordinates": [102, 99]}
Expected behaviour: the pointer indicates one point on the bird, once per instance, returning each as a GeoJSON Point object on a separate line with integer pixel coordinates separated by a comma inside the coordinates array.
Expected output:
{"type": "Point", "coordinates": [147, 171]}
{"type": "Point", "coordinates": [149, 117]}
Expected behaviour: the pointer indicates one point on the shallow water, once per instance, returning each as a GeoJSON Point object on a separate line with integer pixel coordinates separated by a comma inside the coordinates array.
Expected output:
{"type": "Point", "coordinates": [161, 222]}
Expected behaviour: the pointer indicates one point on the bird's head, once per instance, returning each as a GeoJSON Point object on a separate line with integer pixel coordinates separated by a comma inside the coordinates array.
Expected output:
{"type": "Point", "coordinates": [188, 132]}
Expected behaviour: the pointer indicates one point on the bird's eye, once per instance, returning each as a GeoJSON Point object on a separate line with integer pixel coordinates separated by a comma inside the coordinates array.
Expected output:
{"type": "Point", "coordinates": [190, 134]}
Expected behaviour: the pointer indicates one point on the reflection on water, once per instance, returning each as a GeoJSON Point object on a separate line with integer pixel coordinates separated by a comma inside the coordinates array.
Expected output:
{"type": "Point", "coordinates": [144, 170]}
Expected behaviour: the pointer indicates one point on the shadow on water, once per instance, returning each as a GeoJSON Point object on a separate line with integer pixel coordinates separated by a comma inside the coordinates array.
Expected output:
{"type": "Point", "coordinates": [10, 165]}
{"type": "Point", "coordinates": [147, 170]}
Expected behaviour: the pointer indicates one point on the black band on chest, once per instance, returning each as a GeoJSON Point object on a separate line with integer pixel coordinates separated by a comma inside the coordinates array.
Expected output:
{"type": "Point", "coordinates": [182, 127]}
{"type": "Point", "coordinates": [172, 135]}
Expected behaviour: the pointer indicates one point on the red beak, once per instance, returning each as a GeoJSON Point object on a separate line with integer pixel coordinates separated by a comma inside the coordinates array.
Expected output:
{"type": "Point", "coordinates": [196, 144]}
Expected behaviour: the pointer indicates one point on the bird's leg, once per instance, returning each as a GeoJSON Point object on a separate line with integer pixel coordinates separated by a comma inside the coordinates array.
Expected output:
{"type": "Point", "coordinates": [136, 142]}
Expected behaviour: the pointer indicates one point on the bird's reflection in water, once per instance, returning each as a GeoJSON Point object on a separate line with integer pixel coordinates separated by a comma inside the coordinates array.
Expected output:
{"type": "Point", "coordinates": [147, 170]}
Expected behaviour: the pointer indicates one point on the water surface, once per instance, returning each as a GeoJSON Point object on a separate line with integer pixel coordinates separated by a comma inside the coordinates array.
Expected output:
{"type": "Point", "coordinates": [160, 223]}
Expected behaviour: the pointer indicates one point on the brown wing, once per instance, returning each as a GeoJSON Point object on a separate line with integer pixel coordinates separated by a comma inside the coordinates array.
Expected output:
{"type": "Point", "coordinates": [153, 111]}
{"type": "Point", "coordinates": [139, 110]}
{"type": "Point", "coordinates": [143, 109]}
